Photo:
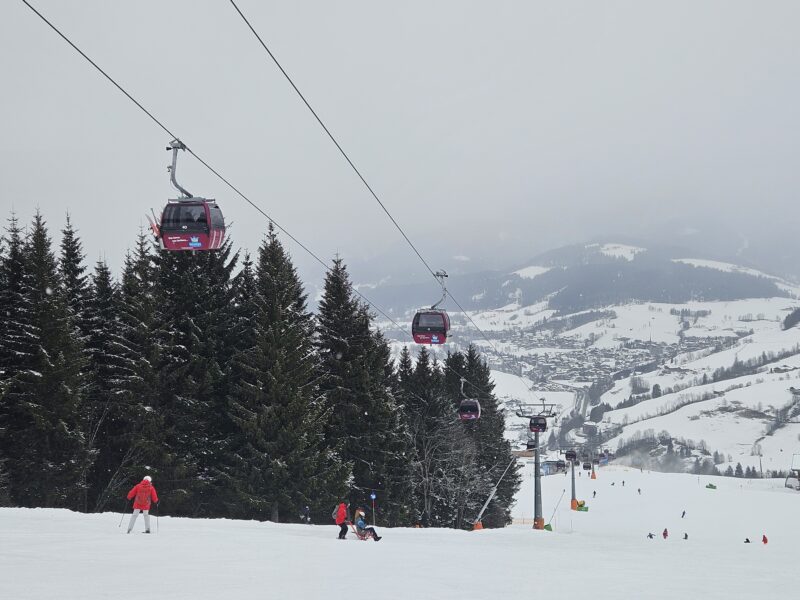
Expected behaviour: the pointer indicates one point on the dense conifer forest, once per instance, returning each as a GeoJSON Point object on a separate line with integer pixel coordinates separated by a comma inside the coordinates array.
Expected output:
{"type": "Point", "coordinates": [209, 372]}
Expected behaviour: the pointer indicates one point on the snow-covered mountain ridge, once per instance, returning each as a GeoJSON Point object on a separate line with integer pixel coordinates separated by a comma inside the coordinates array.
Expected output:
{"type": "Point", "coordinates": [589, 276]}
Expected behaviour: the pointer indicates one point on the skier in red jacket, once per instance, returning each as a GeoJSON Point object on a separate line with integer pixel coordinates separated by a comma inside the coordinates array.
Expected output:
{"type": "Point", "coordinates": [342, 518]}
{"type": "Point", "coordinates": [142, 494]}
{"type": "Point", "coordinates": [665, 533]}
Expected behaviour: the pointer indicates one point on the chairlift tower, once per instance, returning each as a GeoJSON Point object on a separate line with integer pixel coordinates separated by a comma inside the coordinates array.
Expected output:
{"type": "Point", "coordinates": [538, 424]}
{"type": "Point", "coordinates": [572, 457]}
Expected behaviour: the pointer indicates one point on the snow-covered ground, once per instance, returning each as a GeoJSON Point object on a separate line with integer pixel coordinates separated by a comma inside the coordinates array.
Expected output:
{"type": "Point", "coordinates": [653, 322]}
{"type": "Point", "coordinates": [731, 268]}
{"type": "Point", "coordinates": [532, 271]}
{"type": "Point", "coordinates": [620, 250]}
{"type": "Point", "coordinates": [600, 554]}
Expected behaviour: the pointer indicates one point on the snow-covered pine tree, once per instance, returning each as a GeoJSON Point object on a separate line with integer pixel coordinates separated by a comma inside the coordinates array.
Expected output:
{"type": "Point", "coordinates": [357, 387]}
{"type": "Point", "coordinates": [45, 443]}
{"type": "Point", "coordinates": [74, 289]}
{"type": "Point", "coordinates": [73, 280]}
{"type": "Point", "coordinates": [193, 317]}
{"type": "Point", "coordinates": [282, 461]}
{"type": "Point", "coordinates": [434, 434]}
{"type": "Point", "coordinates": [108, 412]}
{"type": "Point", "coordinates": [5, 484]}
{"type": "Point", "coordinates": [16, 352]}
{"type": "Point", "coordinates": [140, 444]}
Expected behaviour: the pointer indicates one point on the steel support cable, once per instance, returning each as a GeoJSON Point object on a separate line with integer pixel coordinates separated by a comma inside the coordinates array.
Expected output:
{"type": "Point", "coordinates": [332, 138]}
{"type": "Point", "coordinates": [358, 173]}
{"type": "Point", "coordinates": [163, 127]}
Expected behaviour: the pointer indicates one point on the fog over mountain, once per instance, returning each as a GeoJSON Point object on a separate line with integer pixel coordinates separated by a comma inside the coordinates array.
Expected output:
{"type": "Point", "coordinates": [491, 132]}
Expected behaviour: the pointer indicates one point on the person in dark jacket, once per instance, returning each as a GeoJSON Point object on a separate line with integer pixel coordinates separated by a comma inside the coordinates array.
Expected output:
{"type": "Point", "coordinates": [665, 533]}
{"type": "Point", "coordinates": [342, 517]}
{"type": "Point", "coordinates": [142, 494]}
{"type": "Point", "coordinates": [305, 515]}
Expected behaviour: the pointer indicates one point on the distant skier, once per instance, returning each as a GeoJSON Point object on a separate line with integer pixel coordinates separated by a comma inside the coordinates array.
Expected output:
{"type": "Point", "coordinates": [361, 526]}
{"type": "Point", "coordinates": [594, 494]}
{"type": "Point", "coordinates": [640, 491]}
{"type": "Point", "coordinates": [305, 515]}
{"type": "Point", "coordinates": [623, 483]}
{"type": "Point", "coordinates": [612, 483]}
{"type": "Point", "coordinates": [746, 540]}
{"type": "Point", "coordinates": [686, 536]}
{"type": "Point", "coordinates": [683, 514]}
{"type": "Point", "coordinates": [665, 533]}
{"type": "Point", "coordinates": [142, 494]}
{"type": "Point", "coordinates": [342, 518]}
{"type": "Point", "coordinates": [650, 536]}
{"type": "Point", "coordinates": [764, 539]}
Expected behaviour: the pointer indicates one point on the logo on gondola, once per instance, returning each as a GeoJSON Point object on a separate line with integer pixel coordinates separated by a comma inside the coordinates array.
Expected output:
{"type": "Point", "coordinates": [194, 242]}
{"type": "Point", "coordinates": [434, 339]}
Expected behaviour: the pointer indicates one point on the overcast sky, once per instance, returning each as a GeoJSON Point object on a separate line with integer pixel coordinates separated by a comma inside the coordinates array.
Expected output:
{"type": "Point", "coordinates": [491, 130]}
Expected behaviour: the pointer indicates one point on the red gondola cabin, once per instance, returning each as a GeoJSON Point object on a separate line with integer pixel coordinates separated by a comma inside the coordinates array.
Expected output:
{"type": "Point", "coordinates": [469, 410]}
{"type": "Point", "coordinates": [430, 327]}
{"type": "Point", "coordinates": [194, 224]}
{"type": "Point", "coordinates": [538, 424]}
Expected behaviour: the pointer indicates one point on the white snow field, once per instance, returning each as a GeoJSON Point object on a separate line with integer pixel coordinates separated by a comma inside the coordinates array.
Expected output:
{"type": "Point", "coordinates": [600, 554]}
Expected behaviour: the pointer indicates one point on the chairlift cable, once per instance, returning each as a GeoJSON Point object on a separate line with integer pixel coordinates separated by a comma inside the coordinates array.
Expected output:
{"type": "Point", "coordinates": [332, 138]}
{"type": "Point", "coordinates": [227, 182]}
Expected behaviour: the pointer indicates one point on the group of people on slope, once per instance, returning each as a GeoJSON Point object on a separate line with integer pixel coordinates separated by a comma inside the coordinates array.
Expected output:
{"type": "Point", "coordinates": [341, 516]}
{"type": "Point", "coordinates": [144, 495]}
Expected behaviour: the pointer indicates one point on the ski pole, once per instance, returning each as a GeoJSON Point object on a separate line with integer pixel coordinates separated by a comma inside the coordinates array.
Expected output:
{"type": "Point", "coordinates": [157, 503]}
{"type": "Point", "coordinates": [122, 517]}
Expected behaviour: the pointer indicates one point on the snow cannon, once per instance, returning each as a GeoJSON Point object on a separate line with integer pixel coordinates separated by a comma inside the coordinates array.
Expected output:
{"type": "Point", "coordinates": [538, 523]}
{"type": "Point", "coordinates": [711, 486]}
{"type": "Point", "coordinates": [478, 526]}
{"type": "Point", "coordinates": [574, 505]}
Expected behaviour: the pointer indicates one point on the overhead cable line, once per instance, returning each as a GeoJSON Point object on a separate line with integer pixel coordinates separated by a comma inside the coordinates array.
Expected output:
{"type": "Point", "coordinates": [360, 176]}
{"type": "Point", "coordinates": [332, 138]}
{"type": "Point", "coordinates": [219, 175]}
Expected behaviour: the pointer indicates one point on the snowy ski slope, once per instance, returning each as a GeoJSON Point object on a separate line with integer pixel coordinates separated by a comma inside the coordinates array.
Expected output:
{"type": "Point", "coordinates": [601, 554]}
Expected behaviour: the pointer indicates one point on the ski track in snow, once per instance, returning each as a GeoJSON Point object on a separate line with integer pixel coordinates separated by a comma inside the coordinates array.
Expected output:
{"type": "Point", "coordinates": [601, 554]}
